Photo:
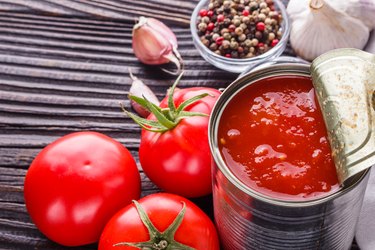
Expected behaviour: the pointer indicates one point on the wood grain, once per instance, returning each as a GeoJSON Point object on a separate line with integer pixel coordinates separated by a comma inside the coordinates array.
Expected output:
{"type": "Point", "coordinates": [64, 68]}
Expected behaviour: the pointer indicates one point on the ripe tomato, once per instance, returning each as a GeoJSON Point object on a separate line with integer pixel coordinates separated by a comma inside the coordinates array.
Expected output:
{"type": "Point", "coordinates": [77, 183]}
{"type": "Point", "coordinates": [179, 160]}
{"type": "Point", "coordinates": [168, 225]}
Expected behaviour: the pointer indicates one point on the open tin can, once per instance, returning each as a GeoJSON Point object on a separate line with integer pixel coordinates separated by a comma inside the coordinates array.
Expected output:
{"type": "Point", "coordinates": [247, 219]}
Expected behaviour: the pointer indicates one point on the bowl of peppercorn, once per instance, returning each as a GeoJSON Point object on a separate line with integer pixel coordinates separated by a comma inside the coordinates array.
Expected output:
{"type": "Point", "coordinates": [234, 35]}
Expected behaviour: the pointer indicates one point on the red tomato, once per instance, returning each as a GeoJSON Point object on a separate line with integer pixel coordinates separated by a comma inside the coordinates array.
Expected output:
{"type": "Point", "coordinates": [195, 231]}
{"type": "Point", "coordinates": [179, 160]}
{"type": "Point", "coordinates": [77, 183]}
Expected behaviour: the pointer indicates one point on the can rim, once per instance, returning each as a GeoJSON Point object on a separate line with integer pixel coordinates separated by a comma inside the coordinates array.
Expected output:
{"type": "Point", "coordinates": [296, 69]}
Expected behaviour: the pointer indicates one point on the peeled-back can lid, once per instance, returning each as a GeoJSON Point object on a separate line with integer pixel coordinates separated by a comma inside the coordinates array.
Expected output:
{"type": "Point", "coordinates": [344, 81]}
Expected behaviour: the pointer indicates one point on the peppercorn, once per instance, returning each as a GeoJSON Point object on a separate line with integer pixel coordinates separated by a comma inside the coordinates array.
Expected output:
{"type": "Point", "coordinates": [223, 31]}
{"type": "Point", "coordinates": [239, 28]}
{"type": "Point", "coordinates": [226, 4]}
{"type": "Point", "coordinates": [203, 12]}
{"type": "Point", "coordinates": [274, 42]}
{"type": "Point", "coordinates": [219, 40]}
{"type": "Point", "coordinates": [258, 35]}
{"type": "Point", "coordinates": [232, 27]}
{"type": "Point", "coordinates": [210, 26]}
{"type": "Point", "coordinates": [254, 42]}
{"type": "Point", "coordinates": [246, 20]}
{"type": "Point", "coordinates": [206, 19]}
{"type": "Point", "coordinates": [220, 18]}
{"type": "Point", "coordinates": [234, 45]}
{"type": "Point", "coordinates": [271, 36]}
{"type": "Point", "coordinates": [215, 36]}
{"type": "Point", "coordinates": [234, 54]}
{"type": "Point", "coordinates": [202, 27]}
{"type": "Point", "coordinates": [242, 37]}
{"type": "Point", "coordinates": [248, 43]}
{"type": "Point", "coordinates": [227, 36]}
{"type": "Point", "coordinates": [260, 26]}
{"type": "Point", "coordinates": [243, 26]}
{"type": "Point", "coordinates": [238, 31]}
{"type": "Point", "coordinates": [262, 17]}
{"type": "Point", "coordinates": [213, 46]}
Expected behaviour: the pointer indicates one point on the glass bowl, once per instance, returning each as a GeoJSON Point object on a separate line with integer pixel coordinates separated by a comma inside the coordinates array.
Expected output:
{"type": "Point", "coordinates": [239, 65]}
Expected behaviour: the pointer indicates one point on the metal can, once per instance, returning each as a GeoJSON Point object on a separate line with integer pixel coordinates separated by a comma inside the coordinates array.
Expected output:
{"type": "Point", "coordinates": [247, 219]}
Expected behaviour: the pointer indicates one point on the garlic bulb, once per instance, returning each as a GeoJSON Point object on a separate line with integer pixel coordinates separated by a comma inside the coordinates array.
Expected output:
{"type": "Point", "coordinates": [363, 10]}
{"type": "Point", "coordinates": [317, 27]}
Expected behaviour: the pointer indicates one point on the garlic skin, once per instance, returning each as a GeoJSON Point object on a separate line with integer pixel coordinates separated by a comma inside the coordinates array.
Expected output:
{"type": "Point", "coordinates": [154, 44]}
{"type": "Point", "coordinates": [363, 10]}
{"type": "Point", "coordinates": [141, 90]}
{"type": "Point", "coordinates": [317, 27]}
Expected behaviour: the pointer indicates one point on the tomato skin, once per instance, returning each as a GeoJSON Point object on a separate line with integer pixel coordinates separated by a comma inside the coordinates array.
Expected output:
{"type": "Point", "coordinates": [196, 229]}
{"type": "Point", "coordinates": [179, 160]}
{"type": "Point", "coordinates": [76, 184]}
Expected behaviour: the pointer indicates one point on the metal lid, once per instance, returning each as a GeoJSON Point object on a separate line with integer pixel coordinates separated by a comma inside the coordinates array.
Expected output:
{"type": "Point", "coordinates": [344, 81]}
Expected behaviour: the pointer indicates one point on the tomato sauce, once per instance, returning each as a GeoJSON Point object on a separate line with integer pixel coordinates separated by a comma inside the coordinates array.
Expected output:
{"type": "Point", "coordinates": [273, 138]}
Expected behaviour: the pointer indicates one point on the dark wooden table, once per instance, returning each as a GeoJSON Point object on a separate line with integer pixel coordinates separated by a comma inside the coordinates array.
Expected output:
{"type": "Point", "coordinates": [64, 68]}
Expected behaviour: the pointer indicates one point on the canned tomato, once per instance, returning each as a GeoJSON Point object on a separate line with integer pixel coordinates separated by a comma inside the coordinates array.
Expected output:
{"type": "Point", "coordinates": [274, 181]}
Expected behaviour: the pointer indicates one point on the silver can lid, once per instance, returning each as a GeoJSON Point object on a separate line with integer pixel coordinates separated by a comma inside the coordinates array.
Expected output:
{"type": "Point", "coordinates": [344, 81]}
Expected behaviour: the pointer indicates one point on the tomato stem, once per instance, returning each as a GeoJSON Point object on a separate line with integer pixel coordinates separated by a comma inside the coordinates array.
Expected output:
{"type": "Point", "coordinates": [158, 240]}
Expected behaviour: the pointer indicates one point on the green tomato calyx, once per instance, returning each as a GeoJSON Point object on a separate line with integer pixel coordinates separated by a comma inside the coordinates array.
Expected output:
{"type": "Point", "coordinates": [167, 118]}
{"type": "Point", "coordinates": [158, 240]}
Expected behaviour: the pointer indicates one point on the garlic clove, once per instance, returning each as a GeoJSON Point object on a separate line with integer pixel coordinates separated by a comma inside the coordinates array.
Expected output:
{"type": "Point", "coordinates": [162, 29]}
{"type": "Point", "coordinates": [317, 27]}
{"type": "Point", "coordinates": [150, 46]}
{"type": "Point", "coordinates": [154, 43]}
{"type": "Point", "coordinates": [139, 89]}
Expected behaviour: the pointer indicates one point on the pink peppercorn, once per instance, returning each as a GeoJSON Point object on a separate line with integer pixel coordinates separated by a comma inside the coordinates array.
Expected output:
{"type": "Point", "coordinates": [210, 13]}
{"type": "Point", "coordinates": [228, 55]}
{"type": "Point", "coordinates": [219, 40]}
{"type": "Point", "coordinates": [274, 42]}
{"type": "Point", "coordinates": [220, 18]}
{"type": "Point", "coordinates": [260, 45]}
{"type": "Point", "coordinates": [260, 26]}
{"type": "Point", "coordinates": [245, 12]}
{"type": "Point", "coordinates": [232, 28]}
{"type": "Point", "coordinates": [203, 12]}
{"type": "Point", "coordinates": [210, 26]}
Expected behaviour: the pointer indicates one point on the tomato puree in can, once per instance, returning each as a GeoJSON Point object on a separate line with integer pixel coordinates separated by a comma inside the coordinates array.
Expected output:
{"type": "Point", "coordinates": [273, 138]}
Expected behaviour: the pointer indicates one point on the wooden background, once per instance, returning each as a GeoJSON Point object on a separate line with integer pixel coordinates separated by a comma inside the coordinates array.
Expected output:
{"type": "Point", "coordinates": [64, 68]}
